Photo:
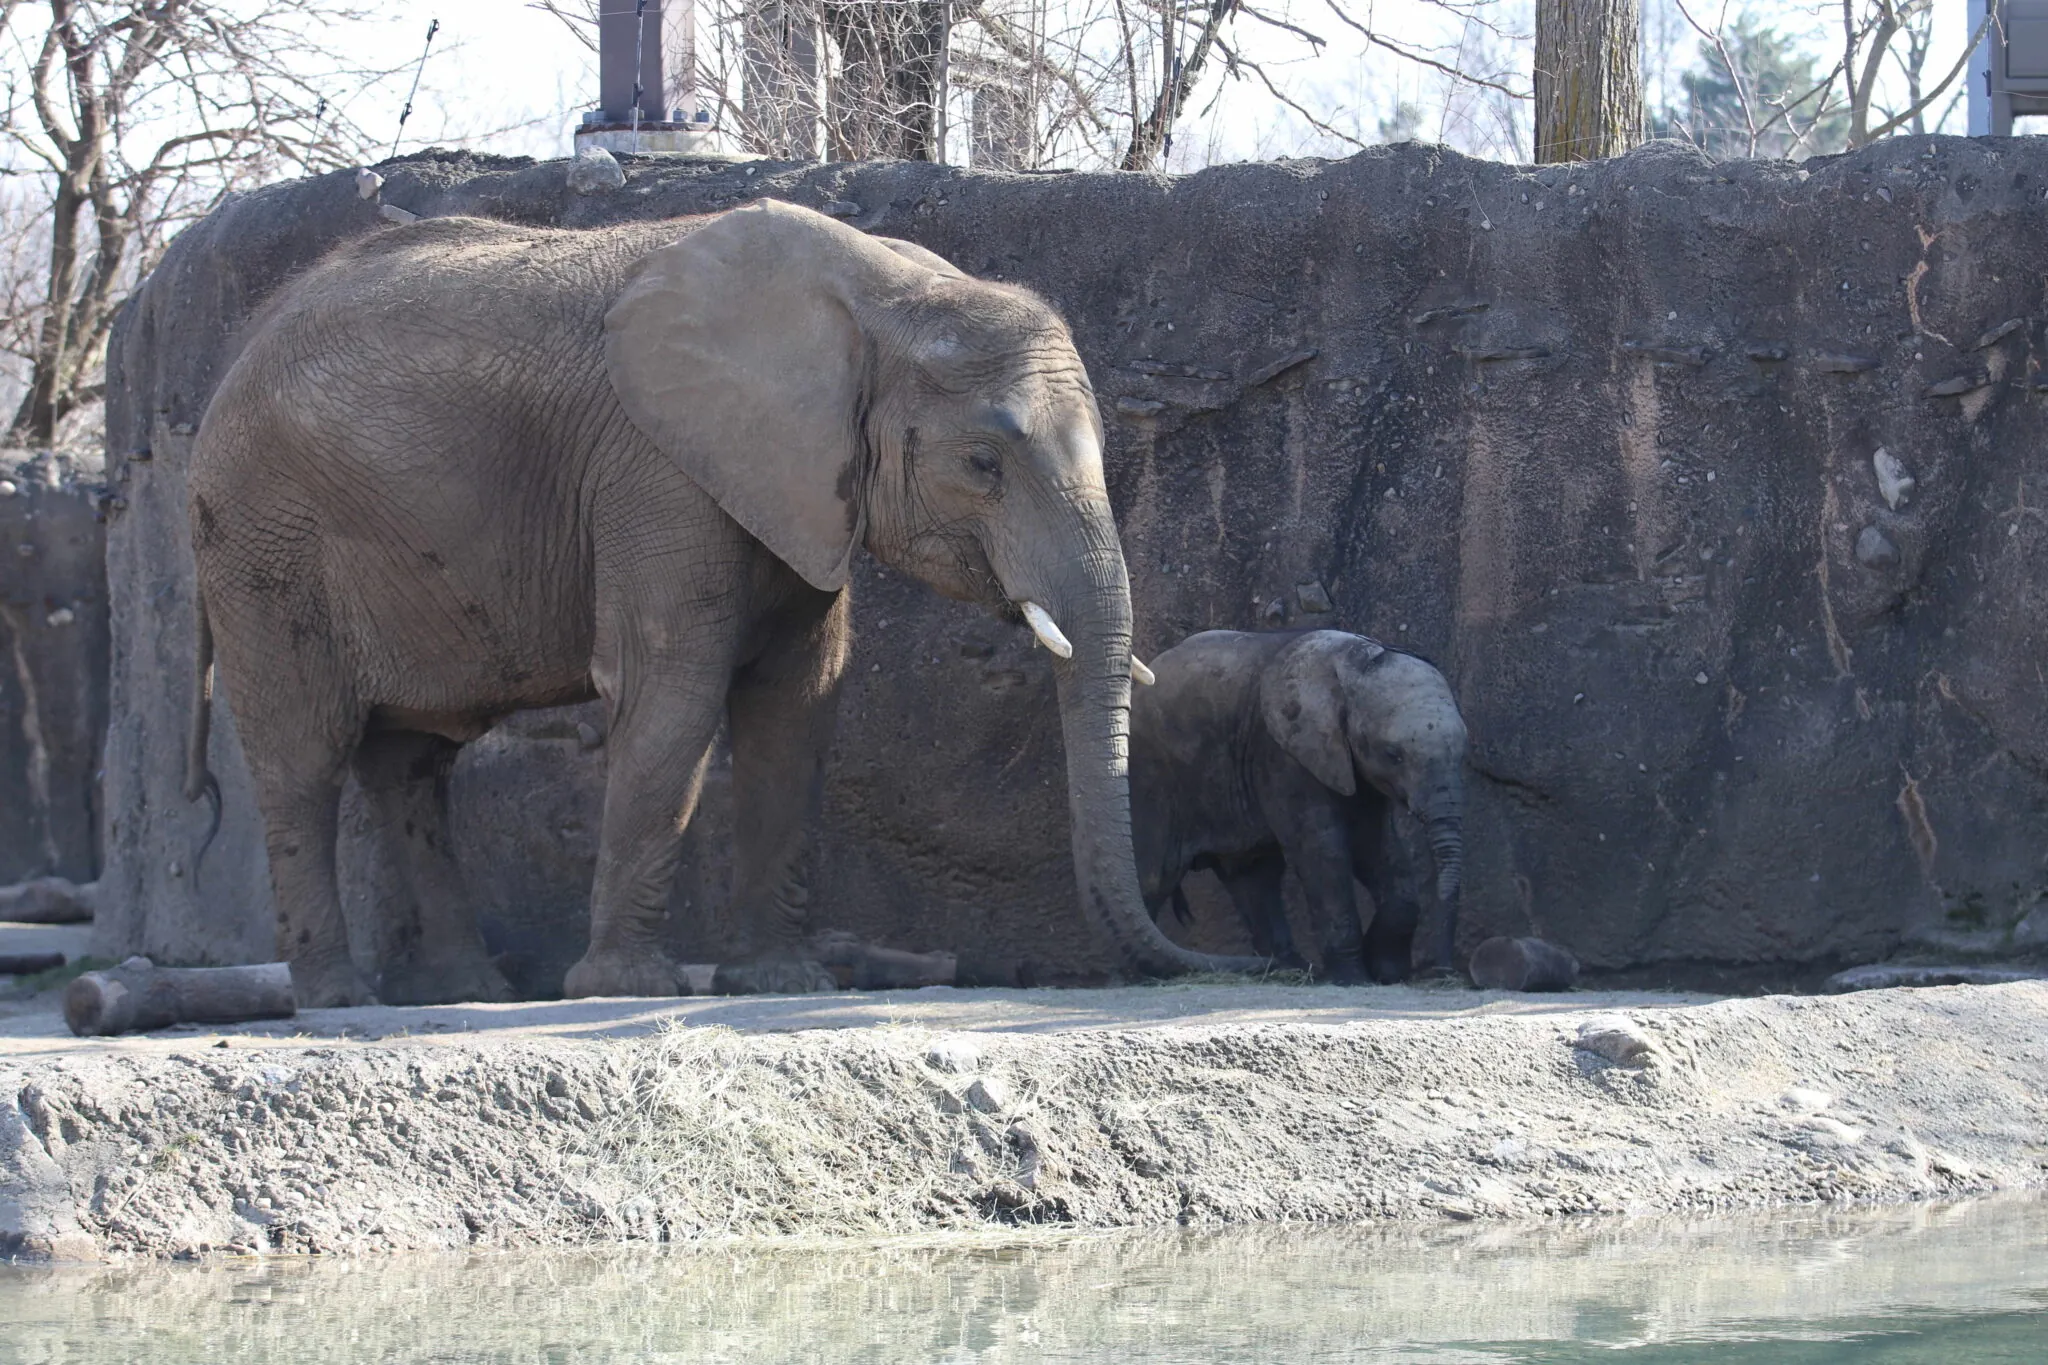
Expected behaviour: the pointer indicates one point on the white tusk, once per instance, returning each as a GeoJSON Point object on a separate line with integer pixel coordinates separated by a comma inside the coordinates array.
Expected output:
{"type": "Point", "coordinates": [1046, 629]}
{"type": "Point", "coordinates": [1140, 674]}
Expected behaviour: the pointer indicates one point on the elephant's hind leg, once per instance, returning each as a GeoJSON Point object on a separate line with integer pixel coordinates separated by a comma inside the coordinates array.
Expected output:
{"type": "Point", "coordinates": [297, 754]}
{"type": "Point", "coordinates": [1256, 890]}
{"type": "Point", "coordinates": [437, 956]}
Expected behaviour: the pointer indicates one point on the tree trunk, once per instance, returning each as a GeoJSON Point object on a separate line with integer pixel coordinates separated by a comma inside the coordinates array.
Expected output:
{"type": "Point", "coordinates": [1589, 92]}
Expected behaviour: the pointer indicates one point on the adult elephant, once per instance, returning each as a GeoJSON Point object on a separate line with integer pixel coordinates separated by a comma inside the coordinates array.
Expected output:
{"type": "Point", "coordinates": [462, 468]}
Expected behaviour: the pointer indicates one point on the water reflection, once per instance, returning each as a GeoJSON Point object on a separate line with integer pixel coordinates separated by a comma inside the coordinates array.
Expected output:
{"type": "Point", "coordinates": [1669, 1289]}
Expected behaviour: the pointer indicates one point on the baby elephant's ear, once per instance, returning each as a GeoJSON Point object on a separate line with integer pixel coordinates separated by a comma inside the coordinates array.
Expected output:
{"type": "Point", "coordinates": [1302, 704]}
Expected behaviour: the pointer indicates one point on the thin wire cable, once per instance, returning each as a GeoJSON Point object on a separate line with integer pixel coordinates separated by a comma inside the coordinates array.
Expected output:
{"type": "Point", "coordinates": [433, 27]}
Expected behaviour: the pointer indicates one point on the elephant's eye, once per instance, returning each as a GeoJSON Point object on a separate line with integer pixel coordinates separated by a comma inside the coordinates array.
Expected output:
{"type": "Point", "coordinates": [985, 462]}
{"type": "Point", "coordinates": [1394, 757]}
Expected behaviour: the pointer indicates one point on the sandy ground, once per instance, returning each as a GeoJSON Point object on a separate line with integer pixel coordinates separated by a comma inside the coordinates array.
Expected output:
{"type": "Point", "coordinates": [600, 1121]}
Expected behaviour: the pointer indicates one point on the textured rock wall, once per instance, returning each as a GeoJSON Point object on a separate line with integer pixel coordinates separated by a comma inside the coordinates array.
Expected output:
{"type": "Point", "coordinates": [1600, 440]}
{"type": "Point", "coordinates": [53, 670]}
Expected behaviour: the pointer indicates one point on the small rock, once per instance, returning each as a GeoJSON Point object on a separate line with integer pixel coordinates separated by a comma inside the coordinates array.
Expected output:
{"type": "Point", "coordinates": [841, 208]}
{"type": "Point", "coordinates": [1958, 385]}
{"type": "Point", "coordinates": [1842, 362]}
{"type": "Point", "coordinates": [588, 737]}
{"type": "Point", "coordinates": [1997, 334]}
{"type": "Point", "coordinates": [957, 1056]}
{"type": "Point", "coordinates": [1822, 1132]}
{"type": "Point", "coordinates": [1312, 597]}
{"type": "Point", "coordinates": [391, 213]}
{"type": "Point", "coordinates": [1804, 1100]}
{"type": "Point", "coordinates": [8, 488]}
{"type": "Point", "coordinates": [1884, 193]}
{"type": "Point", "coordinates": [1138, 409]}
{"type": "Point", "coordinates": [595, 171]}
{"type": "Point", "coordinates": [1617, 1040]}
{"type": "Point", "coordinates": [63, 616]}
{"type": "Point", "coordinates": [988, 1095]}
{"type": "Point", "coordinates": [1275, 613]}
{"type": "Point", "coordinates": [1875, 550]}
{"type": "Point", "coordinates": [1893, 482]}
{"type": "Point", "coordinates": [368, 182]}
{"type": "Point", "coordinates": [1948, 1163]}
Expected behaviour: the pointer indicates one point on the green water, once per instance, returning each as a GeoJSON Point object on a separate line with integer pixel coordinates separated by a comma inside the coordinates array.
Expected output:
{"type": "Point", "coordinates": [1962, 1283]}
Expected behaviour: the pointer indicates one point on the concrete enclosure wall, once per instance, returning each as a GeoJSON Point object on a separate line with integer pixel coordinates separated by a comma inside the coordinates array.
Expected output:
{"type": "Point", "coordinates": [53, 669]}
{"type": "Point", "coordinates": [1622, 447]}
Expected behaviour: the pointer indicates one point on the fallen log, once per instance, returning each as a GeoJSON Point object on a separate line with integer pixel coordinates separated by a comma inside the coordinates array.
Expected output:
{"type": "Point", "coordinates": [1522, 964]}
{"type": "Point", "coordinates": [22, 964]}
{"type": "Point", "coordinates": [138, 996]}
{"type": "Point", "coordinates": [48, 900]}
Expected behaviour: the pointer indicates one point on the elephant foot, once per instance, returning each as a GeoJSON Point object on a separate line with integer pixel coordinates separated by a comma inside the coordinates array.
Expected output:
{"type": "Point", "coordinates": [326, 988]}
{"type": "Point", "coordinates": [1286, 960]}
{"type": "Point", "coordinates": [452, 979]}
{"type": "Point", "coordinates": [1388, 969]}
{"type": "Point", "coordinates": [773, 974]}
{"type": "Point", "coordinates": [1344, 967]}
{"type": "Point", "coordinates": [648, 972]}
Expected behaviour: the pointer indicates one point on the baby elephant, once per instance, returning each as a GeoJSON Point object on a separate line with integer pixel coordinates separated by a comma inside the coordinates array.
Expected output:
{"type": "Point", "coordinates": [1255, 753]}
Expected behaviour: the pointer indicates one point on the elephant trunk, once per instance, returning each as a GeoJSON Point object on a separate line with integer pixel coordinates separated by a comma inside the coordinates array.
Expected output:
{"type": "Point", "coordinates": [1095, 715]}
{"type": "Point", "coordinates": [1445, 821]}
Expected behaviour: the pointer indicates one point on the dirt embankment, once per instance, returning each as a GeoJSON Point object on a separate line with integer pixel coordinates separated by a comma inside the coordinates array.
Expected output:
{"type": "Point", "coordinates": [259, 1144]}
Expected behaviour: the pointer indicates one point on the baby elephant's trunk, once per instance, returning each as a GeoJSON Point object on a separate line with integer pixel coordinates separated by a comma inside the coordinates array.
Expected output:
{"type": "Point", "coordinates": [1447, 848]}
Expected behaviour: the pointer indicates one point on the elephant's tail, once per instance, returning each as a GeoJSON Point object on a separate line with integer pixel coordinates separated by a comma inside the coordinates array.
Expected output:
{"type": "Point", "coordinates": [1181, 911]}
{"type": "Point", "coordinates": [198, 780]}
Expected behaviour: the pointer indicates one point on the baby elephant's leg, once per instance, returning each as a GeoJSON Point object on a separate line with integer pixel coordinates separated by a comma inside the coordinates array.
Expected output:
{"type": "Point", "coordinates": [1255, 889]}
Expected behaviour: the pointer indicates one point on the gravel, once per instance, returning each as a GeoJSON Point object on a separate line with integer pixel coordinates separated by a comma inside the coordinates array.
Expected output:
{"type": "Point", "coordinates": [195, 1145]}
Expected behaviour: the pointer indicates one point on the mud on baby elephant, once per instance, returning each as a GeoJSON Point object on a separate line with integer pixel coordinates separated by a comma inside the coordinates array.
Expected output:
{"type": "Point", "coordinates": [462, 468]}
{"type": "Point", "coordinates": [1255, 753]}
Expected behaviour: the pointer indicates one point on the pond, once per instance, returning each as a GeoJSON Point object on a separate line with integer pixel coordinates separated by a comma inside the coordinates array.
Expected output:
{"type": "Point", "coordinates": [1966, 1282]}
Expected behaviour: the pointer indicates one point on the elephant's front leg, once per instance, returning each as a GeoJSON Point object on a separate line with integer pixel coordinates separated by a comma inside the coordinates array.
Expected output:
{"type": "Point", "coordinates": [782, 709]}
{"type": "Point", "coordinates": [1380, 861]}
{"type": "Point", "coordinates": [1317, 845]}
{"type": "Point", "coordinates": [662, 724]}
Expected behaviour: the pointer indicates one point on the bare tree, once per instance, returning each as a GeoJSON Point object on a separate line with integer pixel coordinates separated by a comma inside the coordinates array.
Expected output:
{"type": "Point", "coordinates": [1030, 83]}
{"type": "Point", "coordinates": [1589, 89]}
{"type": "Point", "coordinates": [129, 118]}
{"type": "Point", "coordinates": [1840, 109]}
{"type": "Point", "coordinates": [1869, 28]}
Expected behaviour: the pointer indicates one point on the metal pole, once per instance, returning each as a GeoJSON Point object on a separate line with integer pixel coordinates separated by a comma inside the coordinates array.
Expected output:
{"type": "Point", "coordinates": [1978, 81]}
{"type": "Point", "coordinates": [639, 53]}
{"type": "Point", "coordinates": [945, 80]}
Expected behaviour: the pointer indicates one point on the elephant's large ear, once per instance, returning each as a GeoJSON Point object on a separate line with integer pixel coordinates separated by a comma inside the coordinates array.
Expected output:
{"type": "Point", "coordinates": [930, 260]}
{"type": "Point", "coordinates": [738, 350]}
{"type": "Point", "coordinates": [1302, 701]}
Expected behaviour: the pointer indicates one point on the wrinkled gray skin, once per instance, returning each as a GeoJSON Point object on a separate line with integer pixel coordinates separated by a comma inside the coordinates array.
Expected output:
{"type": "Point", "coordinates": [1255, 753]}
{"type": "Point", "coordinates": [463, 468]}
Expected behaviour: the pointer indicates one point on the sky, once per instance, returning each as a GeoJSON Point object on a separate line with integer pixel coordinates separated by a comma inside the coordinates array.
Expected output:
{"type": "Point", "coordinates": [507, 78]}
